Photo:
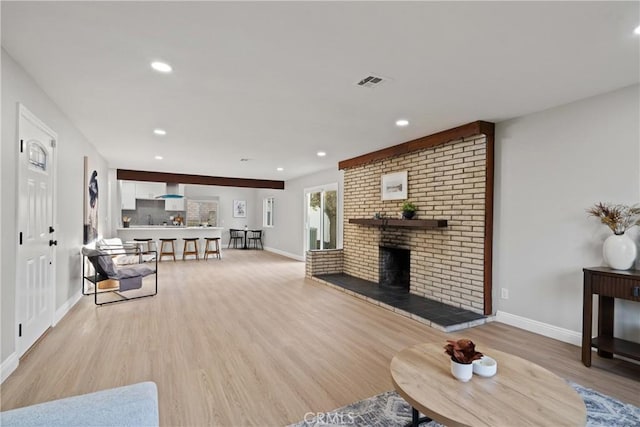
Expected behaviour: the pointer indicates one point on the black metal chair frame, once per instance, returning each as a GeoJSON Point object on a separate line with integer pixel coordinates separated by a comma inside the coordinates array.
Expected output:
{"type": "Point", "coordinates": [255, 237]}
{"type": "Point", "coordinates": [235, 235]}
{"type": "Point", "coordinates": [99, 275]}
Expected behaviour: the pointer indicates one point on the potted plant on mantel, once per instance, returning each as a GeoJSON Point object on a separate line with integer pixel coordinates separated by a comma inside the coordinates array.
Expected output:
{"type": "Point", "coordinates": [408, 210]}
{"type": "Point", "coordinates": [618, 250]}
{"type": "Point", "coordinates": [463, 353]}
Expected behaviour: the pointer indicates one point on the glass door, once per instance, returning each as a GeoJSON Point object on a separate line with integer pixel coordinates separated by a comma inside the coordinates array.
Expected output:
{"type": "Point", "coordinates": [321, 218]}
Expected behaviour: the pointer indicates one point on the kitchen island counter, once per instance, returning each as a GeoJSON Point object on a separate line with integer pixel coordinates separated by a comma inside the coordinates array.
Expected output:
{"type": "Point", "coordinates": [157, 232]}
{"type": "Point", "coordinates": [167, 227]}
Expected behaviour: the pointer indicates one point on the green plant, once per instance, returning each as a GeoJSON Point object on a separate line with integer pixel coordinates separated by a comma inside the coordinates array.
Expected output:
{"type": "Point", "coordinates": [619, 218]}
{"type": "Point", "coordinates": [462, 351]}
{"type": "Point", "coordinates": [408, 207]}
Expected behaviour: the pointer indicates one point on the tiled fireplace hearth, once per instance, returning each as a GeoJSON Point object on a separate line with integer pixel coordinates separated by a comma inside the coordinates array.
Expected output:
{"type": "Point", "coordinates": [450, 177]}
{"type": "Point", "coordinates": [326, 267]}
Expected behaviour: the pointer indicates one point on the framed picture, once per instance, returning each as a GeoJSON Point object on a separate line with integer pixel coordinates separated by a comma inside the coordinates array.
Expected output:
{"type": "Point", "coordinates": [90, 202]}
{"type": "Point", "coordinates": [394, 186]}
{"type": "Point", "coordinates": [239, 208]}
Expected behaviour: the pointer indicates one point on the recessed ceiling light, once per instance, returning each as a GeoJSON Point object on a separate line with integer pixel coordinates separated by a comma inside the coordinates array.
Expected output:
{"type": "Point", "coordinates": [163, 67]}
{"type": "Point", "coordinates": [159, 157]}
{"type": "Point", "coordinates": [402, 122]}
{"type": "Point", "coordinates": [637, 30]}
{"type": "Point", "coordinates": [279, 169]}
{"type": "Point", "coordinates": [160, 132]}
{"type": "Point", "coordinates": [321, 153]}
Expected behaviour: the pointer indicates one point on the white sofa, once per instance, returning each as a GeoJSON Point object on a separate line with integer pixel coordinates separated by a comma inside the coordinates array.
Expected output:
{"type": "Point", "coordinates": [132, 405]}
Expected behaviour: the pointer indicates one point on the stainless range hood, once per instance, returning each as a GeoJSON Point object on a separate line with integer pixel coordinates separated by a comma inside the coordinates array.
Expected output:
{"type": "Point", "coordinates": [172, 192]}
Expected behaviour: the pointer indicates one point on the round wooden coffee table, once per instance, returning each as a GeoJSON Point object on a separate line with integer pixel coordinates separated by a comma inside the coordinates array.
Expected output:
{"type": "Point", "coordinates": [520, 394]}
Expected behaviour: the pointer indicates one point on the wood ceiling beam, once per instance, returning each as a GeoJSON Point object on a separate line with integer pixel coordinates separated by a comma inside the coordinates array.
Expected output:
{"type": "Point", "coordinates": [470, 129]}
{"type": "Point", "coordinates": [179, 178]}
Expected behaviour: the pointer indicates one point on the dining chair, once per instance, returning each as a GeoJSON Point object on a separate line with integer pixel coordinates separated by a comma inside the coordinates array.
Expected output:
{"type": "Point", "coordinates": [255, 236]}
{"type": "Point", "coordinates": [235, 236]}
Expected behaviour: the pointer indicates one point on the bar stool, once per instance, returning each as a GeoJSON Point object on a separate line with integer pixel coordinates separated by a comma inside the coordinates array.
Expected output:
{"type": "Point", "coordinates": [212, 251]}
{"type": "Point", "coordinates": [147, 242]}
{"type": "Point", "coordinates": [186, 250]}
{"type": "Point", "coordinates": [172, 247]}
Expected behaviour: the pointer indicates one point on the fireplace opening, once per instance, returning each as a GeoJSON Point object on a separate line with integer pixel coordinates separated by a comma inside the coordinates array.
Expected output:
{"type": "Point", "coordinates": [394, 267]}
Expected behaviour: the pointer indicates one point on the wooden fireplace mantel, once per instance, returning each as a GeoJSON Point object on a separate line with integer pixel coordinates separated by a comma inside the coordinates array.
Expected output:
{"type": "Point", "coordinates": [409, 223]}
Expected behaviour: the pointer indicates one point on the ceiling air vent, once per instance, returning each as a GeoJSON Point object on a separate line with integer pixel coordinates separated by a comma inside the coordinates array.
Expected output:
{"type": "Point", "coordinates": [371, 81]}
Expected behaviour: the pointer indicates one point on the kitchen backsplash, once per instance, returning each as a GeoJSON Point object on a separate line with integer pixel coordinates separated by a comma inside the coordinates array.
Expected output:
{"type": "Point", "coordinates": [150, 210]}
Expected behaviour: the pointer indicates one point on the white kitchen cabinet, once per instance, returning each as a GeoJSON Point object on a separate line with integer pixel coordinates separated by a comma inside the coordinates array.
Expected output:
{"type": "Point", "coordinates": [174, 205]}
{"type": "Point", "coordinates": [128, 195]}
{"type": "Point", "coordinates": [150, 190]}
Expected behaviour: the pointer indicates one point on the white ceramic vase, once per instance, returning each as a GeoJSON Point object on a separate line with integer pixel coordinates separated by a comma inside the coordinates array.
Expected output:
{"type": "Point", "coordinates": [619, 252]}
{"type": "Point", "coordinates": [461, 371]}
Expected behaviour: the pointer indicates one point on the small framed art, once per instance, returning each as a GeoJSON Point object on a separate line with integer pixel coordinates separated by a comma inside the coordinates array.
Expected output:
{"type": "Point", "coordinates": [239, 208]}
{"type": "Point", "coordinates": [394, 186]}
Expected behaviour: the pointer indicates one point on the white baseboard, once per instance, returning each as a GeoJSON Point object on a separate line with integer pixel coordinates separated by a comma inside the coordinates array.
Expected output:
{"type": "Point", "coordinates": [64, 308]}
{"type": "Point", "coordinates": [11, 363]}
{"type": "Point", "coordinates": [8, 366]}
{"type": "Point", "coordinates": [283, 253]}
{"type": "Point", "coordinates": [551, 331]}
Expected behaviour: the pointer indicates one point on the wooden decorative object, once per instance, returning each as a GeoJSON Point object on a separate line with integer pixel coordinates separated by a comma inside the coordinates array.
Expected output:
{"type": "Point", "coordinates": [109, 284]}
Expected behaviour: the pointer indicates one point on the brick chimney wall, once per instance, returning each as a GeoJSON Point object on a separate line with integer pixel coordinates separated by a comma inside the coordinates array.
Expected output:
{"type": "Point", "coordinates": [444, 182]}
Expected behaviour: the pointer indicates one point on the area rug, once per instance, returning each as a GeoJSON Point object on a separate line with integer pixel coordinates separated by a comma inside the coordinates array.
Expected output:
{"type": "Point", "coordinates": [389, 409]}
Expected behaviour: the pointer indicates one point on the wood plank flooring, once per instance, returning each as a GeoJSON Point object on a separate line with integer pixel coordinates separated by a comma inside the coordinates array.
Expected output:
{"type": "Point", "coordinates": [247, 340]}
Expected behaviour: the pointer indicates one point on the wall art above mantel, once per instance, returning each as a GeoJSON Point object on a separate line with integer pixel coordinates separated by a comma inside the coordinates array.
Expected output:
{"type": "Point", "coordinates": [393, 186]}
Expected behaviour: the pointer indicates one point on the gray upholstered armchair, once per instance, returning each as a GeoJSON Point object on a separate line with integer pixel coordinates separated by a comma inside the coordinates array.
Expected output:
{"type": "Point", "coordinates": [101, 267]}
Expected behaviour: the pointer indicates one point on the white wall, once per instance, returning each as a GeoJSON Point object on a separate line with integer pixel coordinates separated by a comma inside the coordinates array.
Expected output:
{"type": "Point", "coordinates": [287, 235]}
{"type": "Point", "coordinates": [72, 146]}
{"type": "Point", "coordinates": [550, 167]}
{"type": "Point", "coordinates": [225, 197]}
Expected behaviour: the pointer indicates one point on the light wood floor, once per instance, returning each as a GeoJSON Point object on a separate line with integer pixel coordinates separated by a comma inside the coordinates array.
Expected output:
{"type": "Point", "coordinates": [249, 341]}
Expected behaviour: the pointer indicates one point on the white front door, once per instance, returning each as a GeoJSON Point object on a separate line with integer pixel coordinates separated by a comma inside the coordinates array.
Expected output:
{"type": "Point", "coordinates": [35, 279]}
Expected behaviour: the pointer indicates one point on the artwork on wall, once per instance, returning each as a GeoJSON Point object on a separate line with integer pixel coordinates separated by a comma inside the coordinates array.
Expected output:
{"type": "Point", "coordinates": [394, 186]}
{"type": "Point", "coordinates": [239, 208]}
{"type": "Point", "coordinates": [90, 202]}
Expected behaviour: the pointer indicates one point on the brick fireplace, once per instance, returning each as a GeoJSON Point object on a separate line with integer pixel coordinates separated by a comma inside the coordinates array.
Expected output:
{"type": "Point", "coordinates": [450, 177]}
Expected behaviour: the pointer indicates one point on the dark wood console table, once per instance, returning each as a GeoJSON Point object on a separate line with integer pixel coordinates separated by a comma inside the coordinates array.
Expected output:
{"type": "Point", "coordinates": [608, 284]}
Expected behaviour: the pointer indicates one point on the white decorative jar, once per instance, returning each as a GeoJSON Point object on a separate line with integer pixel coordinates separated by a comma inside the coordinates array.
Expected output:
{"type": "Point", "coordinates": [461, 371]}
{"type": "Point", "coordinates": [619, 252]}
{"type": "Point", "coordinates": [485, 367]}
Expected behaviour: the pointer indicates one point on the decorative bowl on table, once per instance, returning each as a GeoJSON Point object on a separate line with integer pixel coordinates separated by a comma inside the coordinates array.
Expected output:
{"type": "Point", "coordinates": [485, 367]}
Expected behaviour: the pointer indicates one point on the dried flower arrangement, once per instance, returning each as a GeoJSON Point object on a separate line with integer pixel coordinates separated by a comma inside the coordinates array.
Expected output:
{"type": "Point", "coordinates": [126, 219]}
{"type": "Point", "coordinates": [619, 218]}
{"type": "Point", "coordinates": [462, 351]}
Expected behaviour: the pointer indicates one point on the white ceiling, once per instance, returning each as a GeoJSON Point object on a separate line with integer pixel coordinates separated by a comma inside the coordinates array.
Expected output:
{"type": "Point", "coordinates": [275, 81]}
